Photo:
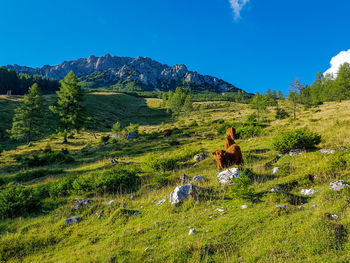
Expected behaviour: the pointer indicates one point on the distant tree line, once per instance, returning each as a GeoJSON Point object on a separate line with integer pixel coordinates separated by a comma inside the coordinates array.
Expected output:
{"type": "Point", "coordinates": [325, 88]}
{"type": "Point", "coordinates": [20, 83]}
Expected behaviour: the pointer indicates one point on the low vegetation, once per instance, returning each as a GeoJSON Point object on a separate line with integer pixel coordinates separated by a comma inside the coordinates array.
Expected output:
{"type": "Point", "coordinates": [127, 179]}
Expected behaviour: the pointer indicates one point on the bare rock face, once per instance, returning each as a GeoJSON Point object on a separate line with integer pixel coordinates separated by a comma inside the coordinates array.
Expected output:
{"type": "Point", "coordinates": [113, 69]}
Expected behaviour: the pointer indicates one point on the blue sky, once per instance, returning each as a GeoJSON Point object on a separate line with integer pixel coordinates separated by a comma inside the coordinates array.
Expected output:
{"type": "Point", "coordinates": [268, 46]}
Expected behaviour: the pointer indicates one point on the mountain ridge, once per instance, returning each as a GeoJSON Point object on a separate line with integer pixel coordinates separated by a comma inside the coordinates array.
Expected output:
{"type": "Point", "coordinates": [110, 70]}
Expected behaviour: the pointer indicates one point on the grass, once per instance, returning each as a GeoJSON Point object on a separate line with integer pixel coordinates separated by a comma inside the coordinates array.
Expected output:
{"type": "Point", "coordinates": [260, 233]}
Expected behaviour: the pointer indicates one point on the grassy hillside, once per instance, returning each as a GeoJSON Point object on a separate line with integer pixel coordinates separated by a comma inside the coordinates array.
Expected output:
{"type": "Point", "coordinates": [303, 232]}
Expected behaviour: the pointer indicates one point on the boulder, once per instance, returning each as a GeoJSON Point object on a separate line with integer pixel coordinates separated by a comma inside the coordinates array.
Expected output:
{"type": "Point", "coordinates": [338, 185]}
{"type": "Point", "coordinates": [198, 158]}
{"type": "Point", "coordinates": [181, 193]}
{"type": "Point", "coordinates": [308, 191]}
{"type": "Point", "coordinates": [80, 202]}
{"type": "Point", "coordinates": [71, 220]}
{"type": "Point", "coordinates": [198, 178]}
{"type": "Point", "coordinates": [132, 135]}
{"type": "Point", "coordinates": [327, 151]}
{"type": "Point", "coordinates": [226, 176]}
{"type": "Point", "coordinates": [296, 152]}
{"type": "Point", "coordinates": [275, 170]}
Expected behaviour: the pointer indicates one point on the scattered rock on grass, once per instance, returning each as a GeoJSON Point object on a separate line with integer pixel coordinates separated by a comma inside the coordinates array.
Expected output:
{"type": "Point", "coordinates": [161, 202]}
{"type": "Point", "coordinates": [132, 135]}
{"type": "Point", "coordinates": [137, 213]}
{"type": "Point", "coordinates": [198, 178]}
{"type": "Point", "coordinates": [296, 152]}
{"type": "Point", "coordinates": [308, 191]}
{"type": "Point", "coordinates": [243, 206]}
{"type": "Point", "coordinates": [343, 149]}
{"type": "Point", "coordinates": [199, 158]}
{"type": "Point", "coordinates": [338, 185]}
{"type": "Point", "coordinates": [275, 170]}
{"type": "Point", "coordinates": [71, 220]}
{"type": "Point", "coordinates": [110, 202]}
{"type": "Point", "coordinates": [182, 192]}
{"type": "Point", "coordinates": [226, 176]}
{"type": "Point", "coordinates": [192, 231]}
{"type": "Point", "coordinates": [219, 210]}
{"type": "Point", "coordinates": [334, 217]}
{"type": "Point", "coordinates": [327, 151]}
{"type": "Point", "coordinates": [80, 202]}
{"type": "Point", "coordinates": [281, 206]}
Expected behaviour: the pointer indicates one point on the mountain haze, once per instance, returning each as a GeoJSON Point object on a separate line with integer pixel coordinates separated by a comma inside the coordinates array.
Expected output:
{"type": "Point", "coordinates": [110, 70]}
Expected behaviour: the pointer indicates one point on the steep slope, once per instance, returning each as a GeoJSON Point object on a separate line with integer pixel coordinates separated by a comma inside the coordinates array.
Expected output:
{"type": "Point", "coordinates": [109, 70]}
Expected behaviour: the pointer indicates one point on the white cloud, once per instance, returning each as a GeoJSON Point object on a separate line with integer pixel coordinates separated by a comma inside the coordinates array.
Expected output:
{"type": "Point", "coordinates": [337, 61]}
{"type": "Point", "coordinates": [237, 6]}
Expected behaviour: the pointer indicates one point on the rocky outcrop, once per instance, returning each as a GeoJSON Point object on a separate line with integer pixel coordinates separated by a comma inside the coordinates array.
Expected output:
{"type": "Point", "coordinates": [109, 70]}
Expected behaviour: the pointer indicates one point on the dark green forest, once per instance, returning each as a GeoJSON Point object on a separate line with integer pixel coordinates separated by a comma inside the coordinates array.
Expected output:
{"type": "Point", "coordinates": [20, 83]}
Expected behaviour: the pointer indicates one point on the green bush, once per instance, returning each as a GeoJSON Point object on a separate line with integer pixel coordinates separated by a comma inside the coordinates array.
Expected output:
{"type": "Point", "coordinates": [111, 181]}
{"type": "Point", "coordinates": [161, 179]}
{"type": "Point", "coordinates": [44, 158]}
{"type": "Point", "coordinates": [242, 189]}
{"type": "Point", "coordinates": [281, 114]}
{"type": "Point", "coordinates": [168, 162]}
{"type": "Point", "coordinates": [18, 200]}
{"type": "Point", "coordinates": [248, 131]}
{"type": "Point", "coordinates": [37, 173]}
{"type": "Point", "coordinates": [300, 138]}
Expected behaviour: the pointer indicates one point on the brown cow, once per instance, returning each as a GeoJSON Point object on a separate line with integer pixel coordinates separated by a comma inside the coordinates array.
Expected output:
{"type": "Point", "coordinates": [168, 132]}
{"type": "Point", "coordinates": [230, 137]}
{"type": "Point", "coordinates": [233, 156]}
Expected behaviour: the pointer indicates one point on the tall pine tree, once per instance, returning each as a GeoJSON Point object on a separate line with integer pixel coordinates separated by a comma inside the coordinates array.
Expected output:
{"type": "Point", "coordinates": [29, 116]}
{"type": "Point", "coordinates": [68, 106]}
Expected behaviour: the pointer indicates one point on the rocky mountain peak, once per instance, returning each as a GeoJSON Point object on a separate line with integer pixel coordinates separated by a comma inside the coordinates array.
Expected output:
{"type": "Point", "coordinates": [114, 69]}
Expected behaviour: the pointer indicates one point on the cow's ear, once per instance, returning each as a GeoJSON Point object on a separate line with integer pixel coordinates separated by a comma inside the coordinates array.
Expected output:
{"type": "Point", "coordinates": [213, 153]}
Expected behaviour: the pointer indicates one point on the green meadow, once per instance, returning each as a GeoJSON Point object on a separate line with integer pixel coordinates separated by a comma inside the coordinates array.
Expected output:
{"type": "Point", "coordinates": [49, 175]}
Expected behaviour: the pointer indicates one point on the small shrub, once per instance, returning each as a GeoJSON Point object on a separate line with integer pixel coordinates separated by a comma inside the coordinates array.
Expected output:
{"type": "Point", "coordinates": [281, 114]}
{"type": "Point", "coordinates": [249, 131]}
{"type": "Point", "coordinates": [111, 181]}
{"type": "Point", "coordinates": [300, 138]}
{"type": "Point", "coordinates": [33, 174]}
{"type": "Point", "coordinates": [161, 179]}
{"type": "Point", "coordinates": [104, 139]}
{"type": "Point", "coordinates": [168, 162]}
{"type": "Point", "coordinates": [252, 118]}
{"type": "Point", "coordinates": [132, 128]}
{"type": "Point", "coordinates": [242, 189]}
{"type": "Point", "coordinates": [18, 200]}
{"type": "Point", "coordinates": [40, 159]}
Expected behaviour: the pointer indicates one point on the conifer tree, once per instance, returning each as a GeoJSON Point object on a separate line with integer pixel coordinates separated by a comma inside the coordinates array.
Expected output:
{"type": "Point", "coordinates": [68, 106]}
{"type": "Point", "coordinates": [29, 116]}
